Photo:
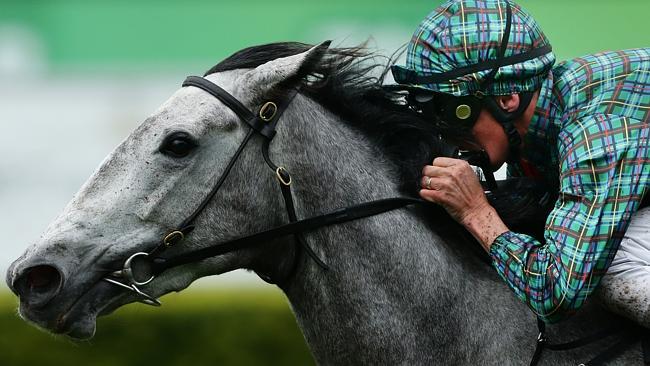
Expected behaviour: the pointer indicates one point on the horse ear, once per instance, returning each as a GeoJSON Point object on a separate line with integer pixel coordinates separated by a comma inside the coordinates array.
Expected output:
{"type": "Point", "coordinates": [285, 69]}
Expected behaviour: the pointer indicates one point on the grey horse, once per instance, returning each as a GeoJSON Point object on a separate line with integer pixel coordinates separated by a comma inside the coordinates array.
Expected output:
{"type": "Point", "coordinates": [404, 287]}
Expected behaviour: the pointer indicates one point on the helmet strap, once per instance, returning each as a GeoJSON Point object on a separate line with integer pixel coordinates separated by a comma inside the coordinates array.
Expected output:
{"type": "Point", "coordinates": [507, 120]}
{"type": "Point", "coordinates": [504, 118]}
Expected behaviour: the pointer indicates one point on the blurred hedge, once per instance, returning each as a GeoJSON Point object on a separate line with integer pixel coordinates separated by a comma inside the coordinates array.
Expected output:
{"type": "Point", "coordinates": [196, 327]}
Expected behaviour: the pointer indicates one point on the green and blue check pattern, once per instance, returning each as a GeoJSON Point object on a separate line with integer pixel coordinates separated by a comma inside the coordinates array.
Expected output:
{"type": "Point", "coordinates": [462, 33]}
{"type": "Point", "coordinates": [590, 138]}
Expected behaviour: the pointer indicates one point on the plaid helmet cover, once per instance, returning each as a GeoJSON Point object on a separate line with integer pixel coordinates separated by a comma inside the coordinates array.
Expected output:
{"type": "Point", "coordinates": [465, 33]}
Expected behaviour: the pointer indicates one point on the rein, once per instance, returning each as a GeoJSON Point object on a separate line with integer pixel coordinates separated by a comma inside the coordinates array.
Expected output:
{"type": "Point", "coordinates": [629, 334]}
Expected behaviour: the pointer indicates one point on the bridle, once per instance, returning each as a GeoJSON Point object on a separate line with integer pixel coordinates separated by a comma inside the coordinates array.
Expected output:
{"type": "Point", "coordinates": [263, 123]}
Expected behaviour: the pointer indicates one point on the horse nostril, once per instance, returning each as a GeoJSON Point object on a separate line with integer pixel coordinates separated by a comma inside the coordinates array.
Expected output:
{"type": "Point", "coordinates": [41, 278]}
{"type": "Point", "coordinates": [37, 285]}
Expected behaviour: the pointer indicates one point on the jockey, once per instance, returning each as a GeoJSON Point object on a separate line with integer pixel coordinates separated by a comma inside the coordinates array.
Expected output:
{"type": "Point", "coordinates": [581, 127]}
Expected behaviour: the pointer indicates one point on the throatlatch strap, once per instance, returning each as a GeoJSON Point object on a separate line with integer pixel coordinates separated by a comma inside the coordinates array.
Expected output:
{"type": "Point", "coordinates": [291, 211]}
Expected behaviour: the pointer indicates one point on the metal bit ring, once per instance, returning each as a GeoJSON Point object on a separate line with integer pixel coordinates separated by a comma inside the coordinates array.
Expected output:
{"type": "Point", "coordinates": [127, 271]}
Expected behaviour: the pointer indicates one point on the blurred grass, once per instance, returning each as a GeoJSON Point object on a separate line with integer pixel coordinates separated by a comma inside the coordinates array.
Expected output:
{"type": "Point", "coordinates": [196, 327]}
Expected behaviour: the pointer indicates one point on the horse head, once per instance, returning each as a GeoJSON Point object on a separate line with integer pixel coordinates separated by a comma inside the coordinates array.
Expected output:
{"type": "Point", "coordinates": [149, 184]}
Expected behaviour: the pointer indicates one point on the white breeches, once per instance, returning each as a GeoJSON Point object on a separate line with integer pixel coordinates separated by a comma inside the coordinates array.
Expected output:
{"type": "Point", "coordinates": [625, 289]}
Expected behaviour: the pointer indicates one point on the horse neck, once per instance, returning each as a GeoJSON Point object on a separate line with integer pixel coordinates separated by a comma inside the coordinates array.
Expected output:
{"type": "Point", "coordinates": [391, 276]}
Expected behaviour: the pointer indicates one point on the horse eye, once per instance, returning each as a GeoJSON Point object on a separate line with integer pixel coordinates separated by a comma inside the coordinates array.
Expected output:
{"type": "Point", "coordinates": [178, 145]}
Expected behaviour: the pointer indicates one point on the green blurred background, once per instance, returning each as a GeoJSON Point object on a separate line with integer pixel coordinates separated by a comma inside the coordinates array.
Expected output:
{"type": "Point", "coordinates": [77, 75]}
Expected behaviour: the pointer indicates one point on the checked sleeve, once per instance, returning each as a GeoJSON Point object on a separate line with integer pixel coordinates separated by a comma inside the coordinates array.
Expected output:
{"type": "Point", "coordinates": [603, 173]}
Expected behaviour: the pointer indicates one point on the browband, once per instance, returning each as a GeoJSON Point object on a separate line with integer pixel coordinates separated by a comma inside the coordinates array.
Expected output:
{"type": "Point", "coordinates": [265, 129]}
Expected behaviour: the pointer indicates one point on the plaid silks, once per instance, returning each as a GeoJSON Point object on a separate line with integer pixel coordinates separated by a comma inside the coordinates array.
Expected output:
{"type": "Point", "coordinates": [590, 138]}
{"type": "Point", "coordinates": [463, 33]}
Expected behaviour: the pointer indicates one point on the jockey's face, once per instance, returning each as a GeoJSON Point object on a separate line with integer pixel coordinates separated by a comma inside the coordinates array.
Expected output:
{"type": "Point", "coordinates": [490, 135]}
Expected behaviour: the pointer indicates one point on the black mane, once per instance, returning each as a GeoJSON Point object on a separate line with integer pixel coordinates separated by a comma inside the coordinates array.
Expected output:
{"type": "Point", "coordinates": [349, 82]}
{"type": "Point", "coordinates": [342, 80]}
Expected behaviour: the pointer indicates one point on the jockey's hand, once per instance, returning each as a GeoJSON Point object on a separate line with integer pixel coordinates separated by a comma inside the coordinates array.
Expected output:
{"type": "Point", "coordinates": [453, 184]}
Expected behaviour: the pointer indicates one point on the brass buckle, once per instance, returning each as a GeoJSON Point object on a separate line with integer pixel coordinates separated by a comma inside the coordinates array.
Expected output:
{"type": "Point", "coordinates": [280, 178]}
{"type": "Point", "coordinates": [171, 237]}
{"type": "Point", "coordinates": [268, 111]}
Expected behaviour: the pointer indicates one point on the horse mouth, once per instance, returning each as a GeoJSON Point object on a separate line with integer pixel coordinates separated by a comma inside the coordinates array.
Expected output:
{"type": "Point", "coordinates": [77, 320]}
